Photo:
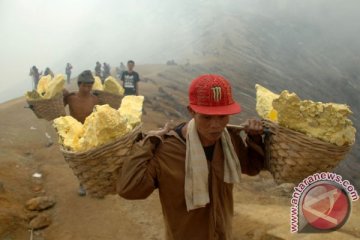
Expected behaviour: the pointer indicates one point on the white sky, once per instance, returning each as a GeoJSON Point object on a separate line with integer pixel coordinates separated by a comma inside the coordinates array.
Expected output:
{"type": "Point", "coordinates": [52, 33]}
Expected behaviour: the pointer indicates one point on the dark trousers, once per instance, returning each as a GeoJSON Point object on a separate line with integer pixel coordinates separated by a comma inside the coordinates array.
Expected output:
{"type": "Point", "coordinates": [130, 91]}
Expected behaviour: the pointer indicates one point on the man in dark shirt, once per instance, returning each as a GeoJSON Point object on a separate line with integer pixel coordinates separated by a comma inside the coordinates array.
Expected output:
{"type": "Point", "coordinates": [130, 80]}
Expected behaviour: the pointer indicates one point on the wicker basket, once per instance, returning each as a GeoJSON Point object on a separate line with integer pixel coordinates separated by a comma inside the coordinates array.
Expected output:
{"type": "Point", "coordinates": [48, 109]}
{"type": "Point", "coordinates": [292, 156]}
{"type": "Point", "coordinates": [97, 168]}
{"type": "Point", "coordinates": [108, 98]}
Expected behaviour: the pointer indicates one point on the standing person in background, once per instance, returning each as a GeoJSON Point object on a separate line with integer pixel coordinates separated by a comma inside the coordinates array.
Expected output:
{"type": "Point", "coordinates": [106, 72]}
{"type": "Point", "coordinates": [122, 66]}
{"type": "Point", "coordinates": [48, 72]}
{"type": "Point", "coordinates": [68, 72]}
{"type": "Point", "coordinates": [34, 72]}
{"type": "Point", "coordinates": [98, 69]}
{"type": "Point", "coordinates": [130, 79]}
{"type": "Point", "coordinates": [118, 72]}
{"type": "Point", "coordinates": [81, 103]}
{"type": "Point", "coordinates": [122, 69]}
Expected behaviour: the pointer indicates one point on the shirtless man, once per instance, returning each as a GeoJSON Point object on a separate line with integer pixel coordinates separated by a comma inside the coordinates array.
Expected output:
{"type": "Point", "coordinates": [81, 103]}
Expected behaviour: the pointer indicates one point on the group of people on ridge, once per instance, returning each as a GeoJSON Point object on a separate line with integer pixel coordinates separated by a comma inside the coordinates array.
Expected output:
{"type": "Point", "coordinates": [35, 74]}
{"type": "Point", "coordinates": [103, 71]}
{"type": "Point", "coordinates": [129, 77]}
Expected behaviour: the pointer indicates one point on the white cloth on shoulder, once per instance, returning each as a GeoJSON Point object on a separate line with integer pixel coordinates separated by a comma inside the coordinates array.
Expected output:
{"type": "Point", "coordinates": [197, 169]}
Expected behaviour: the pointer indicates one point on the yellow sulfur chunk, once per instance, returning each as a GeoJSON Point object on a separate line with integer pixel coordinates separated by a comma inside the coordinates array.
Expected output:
{"type": "Point", "coordinates": [102, 126]}
{"type": "Point", "coordinates": [131, 109]}
{"type": "Point", "coordinates": [33, 95]}
{"type": "Point", "coordinates": [264, 99]}
{"type": "Point", "coordinates": [273, 115]}
{"type": "Point", "coordinates": [47, 88]}
{"type": "Point", "coordinates": [55, 86]}
{"type": "Point", "coordinates": [70, 130]}
{"type": "Point", "coordinates": [97, 84]}
{"type": "Point", "coordinates": [112, 86]}
{"type": "Point", "coordinates": [326, 121]}
{"type": "Point", "coordinates": [43, 84]}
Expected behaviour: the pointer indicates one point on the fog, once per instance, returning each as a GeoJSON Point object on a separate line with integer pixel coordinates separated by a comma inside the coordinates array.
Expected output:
{"type": "Point", "coordinates": [52, 33]}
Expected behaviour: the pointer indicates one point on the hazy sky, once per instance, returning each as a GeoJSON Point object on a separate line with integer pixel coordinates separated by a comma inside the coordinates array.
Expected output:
{"type": "Point", "coordinates": [51, 33]}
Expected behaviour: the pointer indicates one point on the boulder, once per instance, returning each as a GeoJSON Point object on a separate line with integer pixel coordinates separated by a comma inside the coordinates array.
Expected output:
{"type": "Point", "coordinates": [40, 203]}
{"type": "Point", "coordinates": [42, 220]}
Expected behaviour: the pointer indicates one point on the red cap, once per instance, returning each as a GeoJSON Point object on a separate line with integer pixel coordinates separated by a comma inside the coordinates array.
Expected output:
{"type": "Point", "coordinates": [210, 94]}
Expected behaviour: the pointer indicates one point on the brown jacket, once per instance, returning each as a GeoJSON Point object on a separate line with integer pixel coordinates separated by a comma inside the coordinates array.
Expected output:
{"type": "Point", "coordinates": [158, 164]}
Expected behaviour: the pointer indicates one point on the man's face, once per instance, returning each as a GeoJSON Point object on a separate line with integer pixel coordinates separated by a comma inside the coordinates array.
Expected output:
{"type": "Point", "coordinates": [85, 87]}
{"type": "Point", "coordinates": [130, 66]}
{"type": "Point", "coordinates": [210, 127]}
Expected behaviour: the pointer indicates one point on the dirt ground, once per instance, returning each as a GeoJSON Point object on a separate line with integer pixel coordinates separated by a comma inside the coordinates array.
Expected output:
{"type": "Point", "coordinates": [261, 208]}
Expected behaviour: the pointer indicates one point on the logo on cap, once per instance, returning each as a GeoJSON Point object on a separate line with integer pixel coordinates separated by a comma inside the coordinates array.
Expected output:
{"type": "Point", "coordinates": [216, 93]}
{"type": "Point", "coordinates": [211, 94]}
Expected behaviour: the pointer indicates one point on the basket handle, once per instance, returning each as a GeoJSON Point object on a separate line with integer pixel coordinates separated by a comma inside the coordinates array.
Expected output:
{"type": "Point", "coordinates": [267, 132]}
{"type": "Point", "coordinates": [241, 127]}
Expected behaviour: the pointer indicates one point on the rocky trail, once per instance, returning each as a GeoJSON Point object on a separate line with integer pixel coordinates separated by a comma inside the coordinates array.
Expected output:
{"type": "Point", "coordinates": [261, 207]}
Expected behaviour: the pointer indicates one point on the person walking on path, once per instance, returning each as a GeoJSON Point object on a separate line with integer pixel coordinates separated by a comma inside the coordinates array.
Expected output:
{"type": "Point", "coordinates": [195, 165]}
{"type": "Point", "coordinates": [81, 103]}
{"type": "Point", "coordinates": [48, 72]}
{"type": "Point", "coordinates": [34, 73]}
{"type": "Point", "coordinates": [106, 72]}
{"type": "Point", "coordinates": [98, 69]}
{"type": "Point", "coordinates": [68, 70]}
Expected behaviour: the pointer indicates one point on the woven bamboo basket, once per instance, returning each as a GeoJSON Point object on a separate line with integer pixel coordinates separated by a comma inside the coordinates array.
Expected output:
{"type": "Point", "coordinates": [292, 156]}
{"type": "Point", "coordinates": [108, 98]}
{"type": "Point", "coordinates": [48, 109]}
{"type": "Point", "coordinates": [97, 168]}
